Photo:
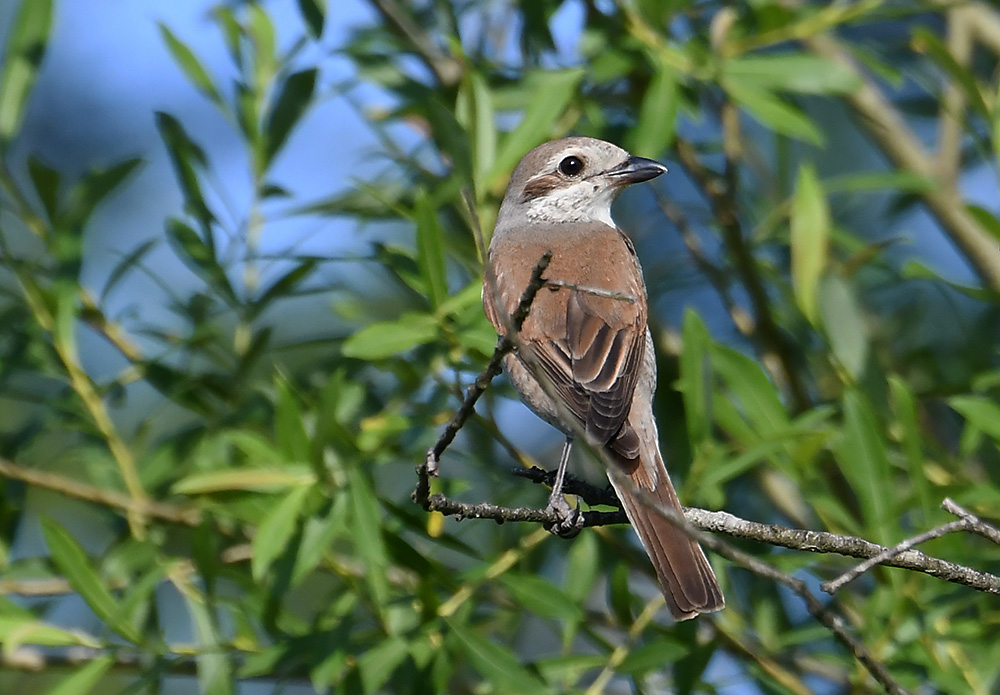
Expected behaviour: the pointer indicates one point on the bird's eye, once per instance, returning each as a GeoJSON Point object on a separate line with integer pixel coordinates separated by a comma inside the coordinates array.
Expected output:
{"type": "Point", "coordinates": [571, 166]}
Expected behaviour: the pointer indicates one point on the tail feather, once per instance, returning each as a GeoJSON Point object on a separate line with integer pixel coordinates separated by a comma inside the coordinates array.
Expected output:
{"type": "Point", "coordinates": [684, 574]}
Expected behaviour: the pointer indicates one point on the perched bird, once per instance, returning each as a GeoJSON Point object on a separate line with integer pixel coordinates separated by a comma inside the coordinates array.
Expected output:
{"type": "Point", "coordinates": [588, 341]}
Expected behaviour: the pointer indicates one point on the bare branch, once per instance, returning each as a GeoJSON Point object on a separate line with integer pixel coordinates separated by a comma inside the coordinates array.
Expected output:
{"type": "Point", "coordinates": [834, 585]}
{"type": "Point", "coordinates": [108, 498]}
{"type": "Point", "coordinates": [973, 522]}
{"type": "Point", "coordinates": [476, 389]}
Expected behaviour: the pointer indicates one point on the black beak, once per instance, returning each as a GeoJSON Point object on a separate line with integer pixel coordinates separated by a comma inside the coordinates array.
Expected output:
{"type": "Point", "coordinates": [636, 170]}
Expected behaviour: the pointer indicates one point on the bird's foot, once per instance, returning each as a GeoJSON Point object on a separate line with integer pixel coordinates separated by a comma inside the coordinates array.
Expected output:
{"type": "Point", "coordinates": [570, 518]}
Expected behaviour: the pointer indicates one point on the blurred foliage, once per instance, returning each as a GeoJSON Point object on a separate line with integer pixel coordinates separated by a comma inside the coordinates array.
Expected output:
{"type": "Point", "coordinates": [256, 517]}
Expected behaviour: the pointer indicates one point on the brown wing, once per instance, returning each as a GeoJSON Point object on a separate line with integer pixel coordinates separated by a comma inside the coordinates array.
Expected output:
{"type": "Point", "coordinates": [588, 347]}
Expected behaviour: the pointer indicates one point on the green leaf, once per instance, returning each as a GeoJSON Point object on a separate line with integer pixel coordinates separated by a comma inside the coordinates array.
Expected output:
{"type": "Point", "coordinates": [654, 130]}
{"type": "Point", "coordinates": [46, 182]}
{"type": "Point", "coordinates": [284, 286]}
{"type": "Point", "coordinates": [902, 181]}
{"type": "Point", "coordinates": [18, 630]}
{"type": "Point", "coordinates": [581, 568]}
{"type": "Point", "coordinates": [927, 42]}
{"type": "Point", "coordinates": [771, 111]}
{"type": "Point", "coordinates": [652, 656]}
{"type": "Point", "coordinates": [790, 72]}
{"type": "Point", "coordinates": [292, 101]}
{"type": "Point", "coordinates": [552, 92]}
{"type": "Point", "coordinates": [430, 250]}
{"type": "Point", "coordinates": [377, 664]}
{"type": "Point", "coordinates": [810, 234]}
{"type": "Point", "coordinates": [129, 262]}
{"type": "Point", "coordinates": [844, 324]}
{"type": "Point", "coordinates": [367, 525]}
{"type": "Point", "coordinates": [474, 110]}
{"type": "Point", "coordinates": [387, 338]}
{"type": "Point", "coordinates": [747, 382]}
{"type": "Point", "coordinates": [904, 407]}
{"type": "Point", "coordinates": [289, 429]}
{"type": "Point", "coordinates": [260, 29]}
{"type": "Point", "coordinates": [862, 457]}
{"type": "Point", "coordinates": [275, 530]}
{"type": "Point", "coordinates": [247, 479]}
{"type": "Point", "coordinates": [497, 664]}
{"type": "Point", "coordinates": [313, 13]}
{"type": "Point", "coordinates": [199, 256]}
{"type": "Point", "coordinates": [986, 219]}
{"type": "Point", "coordinates": [84, 678]}
{"type": "Point", "coordinates": [73, 562]}
{"type": "Point", "coordinates": [26, 44]}
{"type": "Point", "coordinates": [981, 413]}
{"type": "Point", "coordinates": [94, 188]}
{"type": "Point", "coordinates": [186, 157]}
{"type": "Point", "coordinates": [215, 671]}
{"type": "Point", "coordinates": [540, 597]}
{"type": "Point", "coordinates": [189, 64]}
{"type": "Point", "coordinates": [318, 532]}
{"type": "Point", "coordinates": [694, 380]}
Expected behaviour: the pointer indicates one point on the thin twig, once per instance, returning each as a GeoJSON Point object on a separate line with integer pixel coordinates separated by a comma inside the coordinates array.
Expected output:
{"type": "Point", "coordinates": [834, 585]}
{"type": "Point", "coordinates": [476, 389]}
{"type": "Point", "coordinates": [596, 291]}
{"type": "Point", "coordinates": [116, 500]}
{"type": "Point", "coordinates": [974, 523]}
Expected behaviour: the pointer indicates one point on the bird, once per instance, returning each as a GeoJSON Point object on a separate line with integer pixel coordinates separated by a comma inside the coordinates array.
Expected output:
{"type": "Point", "coordinates": [586, 336]}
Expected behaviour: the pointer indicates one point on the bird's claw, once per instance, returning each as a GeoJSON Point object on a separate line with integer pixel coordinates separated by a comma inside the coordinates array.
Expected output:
{"type": "Point", "coordinates": [570, 521]}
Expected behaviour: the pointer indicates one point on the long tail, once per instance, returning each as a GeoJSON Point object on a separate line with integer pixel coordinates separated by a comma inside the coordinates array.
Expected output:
{"type": "Point", "coordinates": [686, 579]}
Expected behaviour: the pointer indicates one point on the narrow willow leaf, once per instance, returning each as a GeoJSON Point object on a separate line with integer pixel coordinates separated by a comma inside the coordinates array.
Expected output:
{"type": "Point", "coordinates": [187, 158]}
{"type": "Point", "coordinates": [654, 130]}
{"type": "Point", "coordinates": [861, 455]}
{"type": "Point", "coordinates": [22, 57]}
{"type": "Point", "coordinates": [199, 256]}
{"type": "Point", "coordinates": [377, 664]}
{"type": "Point", "coordinates": [314, 14]}
{"type": "Point", "coordinates": [771, 111]}
{"type": "Point", "coordinates": [73, 562]}
{"type": "Point", "coordinates": [694, 380]}
{"type": "Point", "coordinates": [275, 530]}
{"type": "Point", "coordinates": [928, 43]}
{"type": "Point", "coordinates": [553, 91]}
{"type": "Point", "coordinates": [215, 671]}
{"type": "Point", "coordinates": [747, 382]}
{"type": "Point", "coordinates": [84, 678]}
{"type": "Point", "coordinates": [498, 665]}
{"type": "Point", "coordinates": [986, 219]}
{"type": "Point", "coordinates": [904, 407]}
{"type": "Point", "coordinates": [844, 324]}
{"type": "Point", "coordinates": [252, 479]}
{"type": "Point", "coordinates": [18, 630]}
{"type": "Point", "coordinates": [540, 597]}
{"type": "Point", "coordinates": [791, 72]}
{"type": "Point", "coordinates": [367, 524]}
{"type": "Point", "coordinates": [293, 99]}
{"type": "Point", "coordinates": [189, 64]}
{"type": "Point", "coordinates": [46, 181]}
{"type": "Point", "coordinates": [981, 413]}
{"type": "Point", "coordinates": [387, 338]}
{"type": "Point", "coordinates": [431, 250]}
{"type": "Point", "coordinates": [810, 240]}
{"type": "Point", "coordinates": [481, 123]}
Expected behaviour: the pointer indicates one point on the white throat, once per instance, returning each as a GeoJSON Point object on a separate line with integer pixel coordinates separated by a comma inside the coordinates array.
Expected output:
{"type": "Point", "coordinates": [581, 202]}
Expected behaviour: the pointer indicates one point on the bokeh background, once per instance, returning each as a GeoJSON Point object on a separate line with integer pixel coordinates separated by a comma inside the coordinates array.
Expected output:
{"type": "Point", "coordinates": [240, 278]}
